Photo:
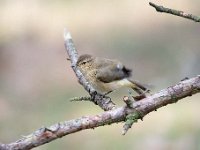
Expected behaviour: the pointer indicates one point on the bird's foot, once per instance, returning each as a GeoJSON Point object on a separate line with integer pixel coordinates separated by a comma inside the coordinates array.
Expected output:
{"type": "Point", "coordinates": [139, 97]}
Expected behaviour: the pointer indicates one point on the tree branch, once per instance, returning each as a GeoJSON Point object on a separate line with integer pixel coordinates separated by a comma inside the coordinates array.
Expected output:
{"type": "Point", "coordinates": [175, 12]}
{"type": "Point", "coordinates": [138, 109]}
{"type": "Point", "coordinates": [104, 102]}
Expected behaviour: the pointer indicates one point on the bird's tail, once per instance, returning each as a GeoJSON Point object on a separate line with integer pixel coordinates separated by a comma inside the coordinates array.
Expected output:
{"type": "Point", "coordinates": [135, 85]}
{"type": "Point", "coordinates": [138, 87]}
{"type": "Point", "coordinates": [138, 84]}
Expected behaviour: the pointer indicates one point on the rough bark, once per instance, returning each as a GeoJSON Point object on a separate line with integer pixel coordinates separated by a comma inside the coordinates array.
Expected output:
{"type": "Point", "coordinates": [138, 110]}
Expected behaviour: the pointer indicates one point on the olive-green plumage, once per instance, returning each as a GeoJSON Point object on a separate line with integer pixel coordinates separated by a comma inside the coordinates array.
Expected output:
{"type": "Point", "coordinates": [106, 75]}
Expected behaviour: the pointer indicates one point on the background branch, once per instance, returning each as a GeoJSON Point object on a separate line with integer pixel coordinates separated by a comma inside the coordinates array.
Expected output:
{"type": "Point", "coordinates": [166, 96]}
{"type": "Point", "coordinates": [175, 12]}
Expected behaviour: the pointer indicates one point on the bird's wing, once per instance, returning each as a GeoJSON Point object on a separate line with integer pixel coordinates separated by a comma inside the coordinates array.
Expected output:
{"type": "Point", "coordinates": [108, 70]}
{"type": "Point", "coordinates": [111, 73]}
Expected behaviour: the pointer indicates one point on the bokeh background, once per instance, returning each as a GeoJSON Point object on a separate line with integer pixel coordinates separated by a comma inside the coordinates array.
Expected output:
{"type": "Point", "coordinates": [36, 81]}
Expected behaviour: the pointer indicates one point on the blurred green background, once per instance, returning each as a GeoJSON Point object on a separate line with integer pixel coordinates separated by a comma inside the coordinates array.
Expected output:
{"type": "Point", "coordinates": [36, 80]}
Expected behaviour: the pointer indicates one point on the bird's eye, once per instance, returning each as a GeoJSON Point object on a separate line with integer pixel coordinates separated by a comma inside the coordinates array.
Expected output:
{"type": "Point", "coordinates": [84, 63]}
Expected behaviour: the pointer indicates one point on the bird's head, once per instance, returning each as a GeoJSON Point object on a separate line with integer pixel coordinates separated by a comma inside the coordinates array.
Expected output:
{"type": "Point", "coordinates": [83, 59]}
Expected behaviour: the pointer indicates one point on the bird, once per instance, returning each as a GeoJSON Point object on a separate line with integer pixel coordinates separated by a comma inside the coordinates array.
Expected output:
{"type": "Point", "coordinates": [107, 75]}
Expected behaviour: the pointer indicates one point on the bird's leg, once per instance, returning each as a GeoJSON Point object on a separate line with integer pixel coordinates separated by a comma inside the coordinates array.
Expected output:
{"type": "Point", "coordinates": [107, 93]}
{"type": "Point", "coordinates": [96, 96]}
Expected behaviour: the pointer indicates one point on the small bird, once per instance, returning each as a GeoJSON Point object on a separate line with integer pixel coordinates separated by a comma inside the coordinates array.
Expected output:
{"type": "Point", "coordinates": [107, 75]}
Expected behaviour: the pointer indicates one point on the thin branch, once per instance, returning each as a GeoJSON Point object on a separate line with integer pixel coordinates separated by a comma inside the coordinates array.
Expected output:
{"type": "Point", "coordinates": [139, 109]}
{"type": "Point", "coordinates": [82, 98]}
{"type": "Point", "coordinates": [104, 102]}
{"type": "Point", "coordinates": [175, 12]}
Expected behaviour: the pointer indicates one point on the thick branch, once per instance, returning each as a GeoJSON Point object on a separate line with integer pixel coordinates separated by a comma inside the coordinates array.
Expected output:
{"type": "Point", "coordinates": [104, 102]}
{"type": "Point", "coordinates": [175, 12]}
{"type": "Point", "coordinates": [166, 96]}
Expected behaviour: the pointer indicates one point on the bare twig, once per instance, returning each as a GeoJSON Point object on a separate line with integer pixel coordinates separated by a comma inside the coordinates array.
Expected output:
{"type": "Point", "coordinates": [82, 98]}
{"type": "Point", "coordinates": [175, 12]}
{"type": "Point", "coordinates": [128, 100]}
{"type": "Point", "coordinates": [138, 109]}
{"type": "Point", "coordinates": [104, 102]}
